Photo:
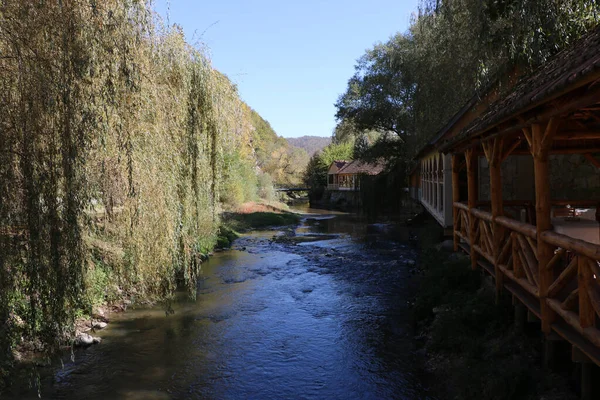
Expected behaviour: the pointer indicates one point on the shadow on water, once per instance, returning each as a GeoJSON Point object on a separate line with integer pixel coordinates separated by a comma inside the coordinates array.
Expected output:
{"type": "Point", "coordinates": [318, 319]}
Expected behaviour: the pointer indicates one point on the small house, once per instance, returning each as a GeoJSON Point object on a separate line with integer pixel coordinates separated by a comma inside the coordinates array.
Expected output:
{"type": "Point", "coordinates": [345, 175]}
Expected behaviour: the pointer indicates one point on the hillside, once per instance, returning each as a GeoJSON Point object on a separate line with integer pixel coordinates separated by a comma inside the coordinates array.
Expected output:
{"type": "Point", "coordinates": [283, 162]}
{"type": "Point", "coordinates": [311, 144]}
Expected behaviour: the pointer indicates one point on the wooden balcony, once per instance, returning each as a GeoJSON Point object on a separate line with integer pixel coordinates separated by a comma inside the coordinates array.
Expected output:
{"type": "Point", "coordinates": [508, 250]}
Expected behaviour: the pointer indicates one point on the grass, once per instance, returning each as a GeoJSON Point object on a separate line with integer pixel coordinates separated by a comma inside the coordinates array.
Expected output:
{"type": "Point", "coordinates": [253, 216]}
{"type": "Point", "coordinates": [260, 220]}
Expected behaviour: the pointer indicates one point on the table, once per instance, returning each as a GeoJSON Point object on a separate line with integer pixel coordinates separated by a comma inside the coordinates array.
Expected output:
{"type": "Point", "coordinates": [583, 229]}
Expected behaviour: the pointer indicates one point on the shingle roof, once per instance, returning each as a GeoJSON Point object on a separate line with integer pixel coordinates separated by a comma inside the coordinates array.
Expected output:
{"type": "Point", "coordinates": [566, 69]}
{"type": "Point", "coordinates": [360, 167]}
{"type": "Point", "coordinates": [340, 163]}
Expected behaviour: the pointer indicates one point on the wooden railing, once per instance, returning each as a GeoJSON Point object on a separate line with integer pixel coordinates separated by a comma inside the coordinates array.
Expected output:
{"type": "Point", "coordinates": [483, 237]}
{"type": "Point", "coordinates": [518, 257]}
{"type": "Point", "coordinates": [461, 224]}
{"type": "Point", "coordinates": [575, 293]}
{"type": "Point", "coordinates": [511, 247]}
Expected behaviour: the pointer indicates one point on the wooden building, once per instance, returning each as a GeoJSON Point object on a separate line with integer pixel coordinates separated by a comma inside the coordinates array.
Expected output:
{"type": "Point", "coordinates": [525, 191]}
{"type": "Point", "coordinates": [345, 175]}
{"type": "Point", "coordinates": [431, 179]}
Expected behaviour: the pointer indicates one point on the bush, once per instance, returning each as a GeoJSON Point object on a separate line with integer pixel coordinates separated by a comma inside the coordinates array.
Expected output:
{"type": "Point", "coordinates": [240, 180]}
{"type": "Point", "coordinates": [443, 282]}
{"type": "Point", "coordinates": [226, 237]}
{"type": "Point", "coordinates": [265, 188]}
{"type": "Point", "coordinates": [477, 352]}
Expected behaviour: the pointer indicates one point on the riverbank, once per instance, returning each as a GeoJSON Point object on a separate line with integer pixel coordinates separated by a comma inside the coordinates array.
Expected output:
{"type": "Point", "coordinates": [253, 216]}
{"type": "Point", "coordinates": [327, 316]}
{"type": "Point", "coordinates": [108, 298]}
{"type": "Point", "coordinates": [471, 345]}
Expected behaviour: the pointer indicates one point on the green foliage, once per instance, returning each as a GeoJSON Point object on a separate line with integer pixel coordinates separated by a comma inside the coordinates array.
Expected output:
{"type": "Point", "coordinates": [378, 95]}
{"type": "Point", "coordinates": [240, 180]}
{"type": "Point", "coordinates": [315, 175]}
{"type": "Point", "coordinates": [311, 144]}
{"type": "Point", "coordinates": [442, 283]}
{"type": "Point", "coordinates": [275, 156]}
{"type": "Point", "coordinates": [265, 187]}
{"type": "Point", "coordinates": [340, 151]}
{"type": "Point", "coordinates": [415, 82]}
{"type": "Point", "coordinates": [361, 145]}
{"type": "Point", "coordinates": [118, 141]}
{"type": "Point", "coordinates": [260, 220]}
{"type": "Point", "coordinates": [226, 236]}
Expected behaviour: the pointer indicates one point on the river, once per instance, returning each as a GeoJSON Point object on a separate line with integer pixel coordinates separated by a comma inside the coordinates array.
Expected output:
{"type": "Point", "coordinates": [273, 319]}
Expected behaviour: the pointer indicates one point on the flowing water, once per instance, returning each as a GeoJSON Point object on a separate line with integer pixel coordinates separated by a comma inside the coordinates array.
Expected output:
{"type": "Point", "coordinates": [325, 317]}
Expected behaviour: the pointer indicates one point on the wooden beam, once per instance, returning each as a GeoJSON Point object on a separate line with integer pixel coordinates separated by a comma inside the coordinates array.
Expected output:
{"type": "Point", "coordinates": [578, 246]}
{"type": "Point", "coordinates": [564, 150]}
{"type": "Point", "coordinates": [578, 135]}
{"type": "Point", "coordinates": [564, 278]}
{"type": "Point", "coordinates": [497, 149]}
{"type": "Point", "coordinates": [527, 133]}
{"type": "Point", "coordinates": [471, 161]}
{"type": "Point", "coordinates": [455, 196]}
{"type": "Point", "coordinates": [571, 301]}
{"type": "Point", "coordinates": [545, 251]}
{"type": "Point", "coordinates": [495, 167]}
{"type": "Point", "coordinates": [574, 103]}
{"type": "Point", "coordinates": [587, 316]}
{"type": "Point", "coordinates": [549, 134]}
{"type": "Point", "coordinates": [592, 159]}
{"type": "Point", "coordinates": [517, 267]}
{"type": "Point", "coordinates": [512, 148]}
{"type": "Point", "coordinates": [487, 150]}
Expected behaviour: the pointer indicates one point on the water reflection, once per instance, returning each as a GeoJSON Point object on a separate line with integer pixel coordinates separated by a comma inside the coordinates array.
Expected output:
{"type": "Point", "coordinates": [324, 319]}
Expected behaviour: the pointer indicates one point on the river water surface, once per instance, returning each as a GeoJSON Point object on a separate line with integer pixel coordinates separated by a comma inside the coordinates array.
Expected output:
{"type": "Point", "coordinates": [273, 319]}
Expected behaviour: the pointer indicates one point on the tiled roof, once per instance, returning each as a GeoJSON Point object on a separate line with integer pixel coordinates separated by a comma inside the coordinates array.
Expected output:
{"type": "Point", "coordinates": [360, 167]}
{"type": "Point", "coordinates": [562, 71]}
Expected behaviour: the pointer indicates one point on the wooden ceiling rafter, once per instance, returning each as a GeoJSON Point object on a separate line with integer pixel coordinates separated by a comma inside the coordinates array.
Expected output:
{"type": "Point", "coordinates": [559, 109]}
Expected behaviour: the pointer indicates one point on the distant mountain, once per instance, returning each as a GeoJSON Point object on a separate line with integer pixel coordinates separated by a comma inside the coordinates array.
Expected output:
{"type": "Point", "coordinates": [311, 144]}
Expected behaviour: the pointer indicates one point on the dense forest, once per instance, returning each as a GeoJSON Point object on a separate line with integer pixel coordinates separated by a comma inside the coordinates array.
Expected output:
{"type": "Point", "coordinates": [408, 87]}
{"type": "Point", "coordinates": [119, 147]}
{"type": "Point", "coordinates": [311, 144]}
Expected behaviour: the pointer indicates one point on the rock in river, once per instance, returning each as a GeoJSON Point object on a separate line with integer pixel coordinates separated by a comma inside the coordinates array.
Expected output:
{"type": "Point", "coordinates": [99, 324]}
{"type": "Point", "coordinates": [85, 340]}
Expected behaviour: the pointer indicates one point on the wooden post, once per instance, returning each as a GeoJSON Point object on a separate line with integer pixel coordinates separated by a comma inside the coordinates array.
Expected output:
{"type": "Point", "coordinates": [587, 315]}
{"type": "Point", "coordinates": [586, 367]}
{"type": "Point", "coordinates": [455, 196]}
{"type": "Point", "coordinates": [471, 161]}
{"type": "Point", "coordinates": [520, 316]}
{"type": "Point", "coordinates": [493, 151]}
{"type": "Point", "coordinates": [541, 141]}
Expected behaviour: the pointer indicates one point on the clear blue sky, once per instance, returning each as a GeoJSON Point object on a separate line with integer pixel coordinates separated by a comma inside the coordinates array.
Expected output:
{"type": "Point", "coordinates": [291, 59]}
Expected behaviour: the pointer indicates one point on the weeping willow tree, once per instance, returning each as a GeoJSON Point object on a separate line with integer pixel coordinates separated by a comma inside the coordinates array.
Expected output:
{"type": "Point", "coordinates": [115, 136]}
